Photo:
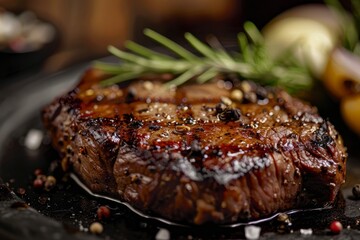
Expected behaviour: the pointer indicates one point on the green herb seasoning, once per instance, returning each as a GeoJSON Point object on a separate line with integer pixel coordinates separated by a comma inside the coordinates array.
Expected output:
{"type": "Point", "coordinates": [251, 62]}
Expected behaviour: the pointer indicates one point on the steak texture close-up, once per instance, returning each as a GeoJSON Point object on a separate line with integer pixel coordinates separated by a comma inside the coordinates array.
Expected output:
{"type": "Point", "coordinates": [221, 152]}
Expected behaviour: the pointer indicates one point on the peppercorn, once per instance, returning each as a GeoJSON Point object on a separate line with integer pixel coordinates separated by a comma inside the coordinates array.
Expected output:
{"type": "Point", "coordinates": [103, 212]}
{"type": "Point", "coordinates": [131, 95]}
{"type": "Point", "coordinates": [42, 177]}
{"type": "Point", "coordinates": [236, 95]}
{"type": "Point", "coordinates": [250, 97]}
{"type": "Point", "coordinates": [225, 100]}
{"type": "Point", "coordinates": [50, 183]}
{"type": "Point", "coordinates": [245, 86]}
{"type": "Point", "coordinates": [284, 223]}
{"type": "Point", "coordinates": [356, 191]}
{"type": "Point", "coordinates": [38, 183]}
{"type": "Point", "coordinates": [96, 228]}
{"type": "Point", "coordinates": [148, 85]}
{"type": "Point", "coordinates": [282, 217]}
{"type": "Point", "coordinates": [336, 227]}
{"type": "Point", "coordinates": [220, 107]}
{"type": "Point", "coordinates": [230, 114]}
{"type": "Point", "coordinates": [154, 127]}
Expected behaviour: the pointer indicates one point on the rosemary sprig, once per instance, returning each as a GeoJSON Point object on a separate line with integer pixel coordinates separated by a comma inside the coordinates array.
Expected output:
{"type": "Point", "coordinates": [252, 62]}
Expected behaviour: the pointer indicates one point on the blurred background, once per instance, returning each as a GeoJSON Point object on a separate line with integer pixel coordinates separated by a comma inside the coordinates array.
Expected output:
{"type": "Point", "coordinates": [56, 34]}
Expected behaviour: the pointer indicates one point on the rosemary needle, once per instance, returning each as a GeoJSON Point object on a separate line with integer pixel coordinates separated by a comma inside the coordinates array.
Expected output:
{"type": "Point", "coordinates": [206, 62]}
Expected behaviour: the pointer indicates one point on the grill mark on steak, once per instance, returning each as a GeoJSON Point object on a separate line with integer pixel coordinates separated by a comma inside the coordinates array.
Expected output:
{"type": "Point", "coordinates": [169, 153]}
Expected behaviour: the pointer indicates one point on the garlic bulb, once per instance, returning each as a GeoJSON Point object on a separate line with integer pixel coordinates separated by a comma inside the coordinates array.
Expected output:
{"type": "Point", "coordinates": [312, 31]}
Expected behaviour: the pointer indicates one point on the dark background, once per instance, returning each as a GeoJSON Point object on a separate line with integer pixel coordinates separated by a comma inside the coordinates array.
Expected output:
{"type": "Point", "coordinates": [86, 27]}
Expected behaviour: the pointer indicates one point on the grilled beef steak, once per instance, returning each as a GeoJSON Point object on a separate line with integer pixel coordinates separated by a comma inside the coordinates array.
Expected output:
{"type": "Point", "coordinates": [198, 153]}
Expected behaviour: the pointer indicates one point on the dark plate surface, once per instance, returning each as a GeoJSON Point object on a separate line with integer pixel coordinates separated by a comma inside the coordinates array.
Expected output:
{"type": "Point", "coordinates": [67, 210]}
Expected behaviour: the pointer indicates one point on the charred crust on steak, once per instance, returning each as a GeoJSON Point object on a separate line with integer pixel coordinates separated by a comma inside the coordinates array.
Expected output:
{"type": "Point", "coordinates": [198, 153]}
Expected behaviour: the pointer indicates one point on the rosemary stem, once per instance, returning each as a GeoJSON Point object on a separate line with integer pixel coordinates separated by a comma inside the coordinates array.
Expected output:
{"type": "Point", "coordinates": [184, 77]}
{"type": "Point", "coordinates": [252, 62]}
{"type": "Point", "coordinates": [176, 48]}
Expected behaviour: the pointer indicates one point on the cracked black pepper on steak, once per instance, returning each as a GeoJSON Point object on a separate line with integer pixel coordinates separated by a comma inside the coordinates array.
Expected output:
{"type": "Point", "coordinates": [194, 154]}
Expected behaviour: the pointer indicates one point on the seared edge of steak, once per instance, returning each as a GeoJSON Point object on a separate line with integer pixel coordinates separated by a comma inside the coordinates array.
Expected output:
{"type": "Point", "coordinates": [190, 155]}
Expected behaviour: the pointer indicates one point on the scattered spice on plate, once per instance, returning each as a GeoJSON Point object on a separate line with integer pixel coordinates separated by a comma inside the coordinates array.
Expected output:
{"type": "Point", "coordinates": [103, 212]}
{"type": "Point", "coordinates": [252, 232]}
{"type": "Point", "coordinates": [307, 231]}
{"type": "Point", "coordinates": [162, 234]}
{"type": "Point", "coordinates": [284, 223]}
{"type": "Point", "coordinates": [50, 183]}
{"type": "Point", "coordinates": [38, 183]}
{"type": "Point", "coordinates": [282, 217]}
{"type": "Point", "coordinates": [42, 177]}
{"type": "Point", "coordinates": [34, 139]}
{"type": "Point", "coordinates": [96, 228]}
{"type": "Point", "coordinates": [356, 191]}
{"type": "Point", "coordinates": [335, 227]}
{"type": "Point", "coordinates": [43, 182]}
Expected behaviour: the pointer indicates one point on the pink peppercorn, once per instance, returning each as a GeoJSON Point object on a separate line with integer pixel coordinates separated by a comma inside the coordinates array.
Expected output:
{"type": "Point", "coordinates": [38, 183]}
{"type": "Point", "coordinates": [336, 227]}
{"type": "Point", "coordinates": [103, 212]}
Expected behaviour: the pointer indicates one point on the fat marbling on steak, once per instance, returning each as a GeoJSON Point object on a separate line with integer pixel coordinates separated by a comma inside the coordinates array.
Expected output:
{"type": "Point", "coordinates": [198, 153]}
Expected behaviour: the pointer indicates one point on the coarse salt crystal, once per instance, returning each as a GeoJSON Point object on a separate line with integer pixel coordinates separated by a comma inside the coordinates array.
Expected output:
{"type": "Point", "coordinates": [163, 234]}
{"type": "Point", "coordinates": [33, 139]}
{"type": "Point", "coordinates": [306, 231]}
{"type": "Point", "coordinates": [252, 232]}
